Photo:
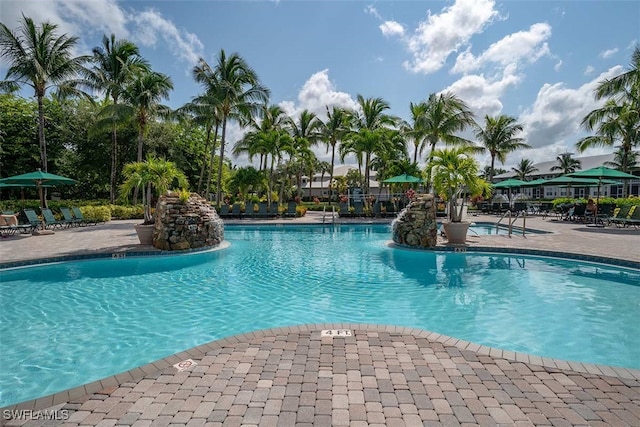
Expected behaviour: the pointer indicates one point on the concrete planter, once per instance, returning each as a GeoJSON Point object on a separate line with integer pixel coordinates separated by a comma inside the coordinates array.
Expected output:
{"type": "Point", "coordinates": [456, 231]}
{"type": "Point", "coordinates": [145, 233]}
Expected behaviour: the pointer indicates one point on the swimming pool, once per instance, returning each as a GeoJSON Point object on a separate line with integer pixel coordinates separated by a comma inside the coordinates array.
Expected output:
{"type": "Point", "coordinates": [71, 323]}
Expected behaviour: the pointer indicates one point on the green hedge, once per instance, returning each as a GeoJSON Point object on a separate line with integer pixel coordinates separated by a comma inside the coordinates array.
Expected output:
{"type": "Point", "coordinates": [627, 201]}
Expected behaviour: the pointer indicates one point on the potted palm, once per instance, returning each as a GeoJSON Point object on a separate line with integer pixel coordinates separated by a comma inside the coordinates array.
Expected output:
{"type": "Point", "coordinates": [454, 173]}
{"type": "Point", "coordinates": [152, 177]}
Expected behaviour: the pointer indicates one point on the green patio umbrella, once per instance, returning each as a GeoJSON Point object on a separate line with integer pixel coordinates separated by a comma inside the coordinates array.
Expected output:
{"type": "Point", "coordinates": [404, 178]}
{"type": "Point", "coordinates": [509, 183]}
{"type": "Point", "coordinates": [39, 180]}
{"type": "Point", "coordinates": [602, 173]}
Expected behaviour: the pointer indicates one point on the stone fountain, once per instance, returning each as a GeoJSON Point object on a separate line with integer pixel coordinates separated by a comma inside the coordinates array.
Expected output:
{"type": "Point", "coordinates": [416, 224]}
{"type": "Point", "coordinates": [186, 224]}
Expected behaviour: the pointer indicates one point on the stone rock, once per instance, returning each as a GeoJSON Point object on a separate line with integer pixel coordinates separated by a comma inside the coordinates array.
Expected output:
{"type": "Point", "coordinates": [416, 224]}
{"type": "Point", "coordinates": [186, 225]}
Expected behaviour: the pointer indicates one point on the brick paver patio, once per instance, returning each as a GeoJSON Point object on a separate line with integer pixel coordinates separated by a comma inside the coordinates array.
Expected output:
{"type": "Point", "coordinates": [378, 376]}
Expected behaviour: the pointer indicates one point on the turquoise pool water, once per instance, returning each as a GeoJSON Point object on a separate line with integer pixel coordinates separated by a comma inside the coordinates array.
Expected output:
{"type": "Point", "coordinates": [66, 324]}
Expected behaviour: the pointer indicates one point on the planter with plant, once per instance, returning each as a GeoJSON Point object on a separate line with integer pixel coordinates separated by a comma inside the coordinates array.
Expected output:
{"type": "Point", "coordinates": [455, 175]}
{"type": "Point", "coordinates": [152, 178]}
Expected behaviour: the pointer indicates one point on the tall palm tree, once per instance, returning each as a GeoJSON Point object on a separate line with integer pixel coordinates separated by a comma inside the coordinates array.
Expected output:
{"type": "Point", "coordinates": [305, 133]}
{"type": "Point", "coordinates": [268, 139]}
{"type": "Point", "coordinates": [114, 65]}
{"type": "Point", "coordinates": [624, 161]}
{"type": "Point", "coordinates": [618, 121]}
{"type": "Point", "coordinates": [371, 132]}
{"type": "Point", "coordinates": [333, 131]}
{"type": "Point", "coordinates": [615, 123]}
{"type": "Point", "coordinates": [445, 116]}
{"type": "Point", "coordinates": [415, 130]}
{"type": "Point", "coordinates": [499, 137]}
{"type": "Point", "coordinates": [143, 96]}
{"type": "Point", "coordinates": [40, 58]}
{"type": "Point", "coordinates": [239, 91]}
{"type": "Point", "coordinates": [566, 164]}
{"type": "Point", "coordinates": [524, 169]}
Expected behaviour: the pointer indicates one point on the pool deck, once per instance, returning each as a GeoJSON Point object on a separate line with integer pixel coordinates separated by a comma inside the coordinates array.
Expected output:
{"type": "Point", "coordinates": [378, 375]}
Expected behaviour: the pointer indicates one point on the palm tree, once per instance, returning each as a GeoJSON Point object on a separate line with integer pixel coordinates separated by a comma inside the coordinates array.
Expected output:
{"type": "Point", "coordinates": [38, 57]}
{"type": "Point", "coordinates": [624, 161]}
{"type": "Point", "coordinates": [115, 63]}
{"type": "Point", "coordinates": [566, 164]}
{"type": "Point", "coordinates": [618, 121]}
{"type": "Point", "coordinates": [154, 176]}
{"type": "Point", "coordinates": [445, 116]}
{"type": "Point", "coordinates": [333, 131]}
{"type": "Point", "coordinates": [524, 169]}
{"type": "Point", "coordinates": [305, 133]}
{"type": "Point", "coordinates": [143, 96]}
{"type": "Point", "coordinates": [239, 91]}
{"type": "Point", "coordinates": [499, 138]}
{"type": "Point", "coordinates": [371, 132]}
{"type": "Point", "coordinates": [415, 131]}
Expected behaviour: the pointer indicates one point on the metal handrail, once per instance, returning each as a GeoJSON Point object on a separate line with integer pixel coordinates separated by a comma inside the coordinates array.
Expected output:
{"type": "Point", "coordinates": [512, 220]}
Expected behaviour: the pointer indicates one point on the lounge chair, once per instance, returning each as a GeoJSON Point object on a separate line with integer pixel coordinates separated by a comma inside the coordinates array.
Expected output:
{"type": "Point", "coordinates": [235, 211]}
{"type": "Point", "coordinates": [224, 211]}
{"type": "Point", "coordinates": [32, 218]}
{"type": "Point", "coordinates": [376, 209]}
{"type": "Point", "coordinates": [68, 216]}
{"type": "Point", "coordinates": [5, 228]}
{"type": "Point", "coordinates": [248, 210]}
{"type": "Point", "coordinates": [79, 216]}
{"type": "Point", "coordinates": [358, 208]}
{"type": "Point", "coordinates": [617, 215]}
{"type": "Point", "coordinates": [262, 210]}
{"type": "Point", "coordinates": [631, 218]}
{"type": "Point", "coordinates": [50, 221]}
{"type": "Point", "coordinates": [274, 209]}
{"type": "Point", "coordinates": [291, 210]}
{"type": "Point", "coordinates": [344, 210]}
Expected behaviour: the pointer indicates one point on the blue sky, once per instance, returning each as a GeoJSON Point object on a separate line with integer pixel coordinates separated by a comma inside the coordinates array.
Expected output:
{"type": "Point", "coordinates": [538, 61]}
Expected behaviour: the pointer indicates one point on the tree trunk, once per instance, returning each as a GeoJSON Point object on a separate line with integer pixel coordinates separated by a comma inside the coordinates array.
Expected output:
{"type": "Point", "coordinates": [204, 163]}
{"type": "Point", "coordinates": [333, 155]}
{"type": "Point", "coordinates": [43, 146]}
{"type": "Point", "coordinates": [114, 164]}
{"type": "Point", "coordinates": [221, 160]}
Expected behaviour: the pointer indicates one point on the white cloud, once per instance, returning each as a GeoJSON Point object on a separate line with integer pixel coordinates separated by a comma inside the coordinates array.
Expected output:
{"type": "Point", "coordinates": [442, 34]}
{"type": "Point", "coordinates": [483, 94]}
{"type": "Point", "coordinates": [589, 70]}
{"type": "Point", "coordinates": [317, 93]}
{"type": "Point", "coordinates": [608, 53]}
{"type": "Point", "coordinates": [81, 17]}
{"type": "Point", "coordinates": [558, 65]}
{"type": "Point", "coordinates": [526, 46]}
{"type": "Point", "coordinates": [557, 112]}
{"type": "Point", "coordinates": [392, 28]}
{"type": "Point", "coordinates": [150, 25]}
{"type": "Point", "coordinates": [370, 9]}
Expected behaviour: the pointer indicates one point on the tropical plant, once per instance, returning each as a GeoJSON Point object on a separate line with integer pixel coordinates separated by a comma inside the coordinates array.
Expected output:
{"type": "Point", "coordinates": [499, 137]}
{"type": "Point", "coordinates": [40, 58]}
{"type": "Point", "coordinates": [444, 116]}
{"type": "Point", "coordinates": [239, 94]}
{"type": "Point", "coordinates": [454, 172]}
{"type": "Point", "coordinates": [114, 65]}
{"type": "Point", "coordinates": [333, 131]}
{"type": "Point", "coordinates": [524, 169]}
{"type": "Point", "coordinates": [624, 161]}
{"type": "Point", "coordinates": [566, 164]}
{"type": "Point", "coordinates": [154, 177]}
{"type": "Point", "coordinates": [372, 133]}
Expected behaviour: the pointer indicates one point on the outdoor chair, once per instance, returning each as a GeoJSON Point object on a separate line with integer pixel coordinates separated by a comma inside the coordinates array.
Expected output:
{"type": "Point", "coordinates": [50, 221]}
{"type": "Point", "coordinates": [618, 214]}
{"type": "Point", "coordinates": [358, 208]}
{"type": "Point", "coordinates": [377, 209]}
{"type": "Point", "coordinates": [224, 211]}
{"type": "Point", "coordinates": [631, 218]}
{"type": "Point", "coordinates": [274, 209]}
{"type": "Point", "coordinates": [68, 216]}
{"type": "Point", "coordinates": [79, 216]}
{"type": "Point", "coordinates": [344, 210]}
{"type": "Point", "coordinates": [262, 210]}
{"type": "Point", "coordinates": [248, 210]}
{"type": "Point", "coordinates": [32, 218]}
{"type": "Point", "coordinates": [5, 228]}
{"type": "Point", "coordinates": [291, 210]}
{"type": "Point", "coordinates": [235, 211]}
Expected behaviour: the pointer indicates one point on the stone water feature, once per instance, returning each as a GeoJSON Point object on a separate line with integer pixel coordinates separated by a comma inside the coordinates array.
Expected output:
{"type": "Point", "coordinates": [416, 224]}
{"type": "Point", "coordinates": [186, 224]}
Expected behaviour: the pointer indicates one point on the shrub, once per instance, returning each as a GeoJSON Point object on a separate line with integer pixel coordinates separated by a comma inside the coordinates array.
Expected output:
{"type": "Point", "coordinates": [301, 211]}
{"type": "Point", "coordinates": [96, 213]}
